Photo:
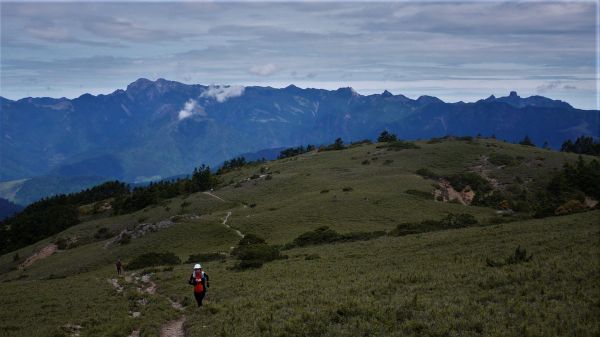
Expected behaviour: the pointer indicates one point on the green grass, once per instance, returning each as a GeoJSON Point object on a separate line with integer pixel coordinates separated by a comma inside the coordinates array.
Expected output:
{"type": "Point", "coordinates": [428, 284]}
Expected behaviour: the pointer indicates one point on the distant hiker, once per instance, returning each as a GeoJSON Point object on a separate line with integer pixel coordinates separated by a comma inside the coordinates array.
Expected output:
{"type": "Point", "coordinates": [199, 280]}
{"type": "Point", "coordinates": [119, 266]}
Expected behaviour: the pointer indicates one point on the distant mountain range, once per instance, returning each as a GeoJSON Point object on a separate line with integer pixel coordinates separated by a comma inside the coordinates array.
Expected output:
{"type": "Point", "coordinates": [162, 128]}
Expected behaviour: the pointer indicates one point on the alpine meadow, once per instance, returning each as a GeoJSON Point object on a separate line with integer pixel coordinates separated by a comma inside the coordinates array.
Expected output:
{"type": "Point", "coordinates": [292, 193]}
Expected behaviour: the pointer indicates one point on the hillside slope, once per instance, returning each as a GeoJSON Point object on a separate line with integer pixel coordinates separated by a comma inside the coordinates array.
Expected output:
{"type": "Point", "coordinates": [431, 284]}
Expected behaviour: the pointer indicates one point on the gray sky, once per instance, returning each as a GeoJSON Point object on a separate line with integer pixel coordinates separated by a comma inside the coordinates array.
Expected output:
{"type": "Point", "coordinates": [453, 50]}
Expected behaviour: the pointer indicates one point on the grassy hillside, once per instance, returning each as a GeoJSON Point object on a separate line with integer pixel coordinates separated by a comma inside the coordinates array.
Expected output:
{"type": "Point", "coordinates": [432, 284]}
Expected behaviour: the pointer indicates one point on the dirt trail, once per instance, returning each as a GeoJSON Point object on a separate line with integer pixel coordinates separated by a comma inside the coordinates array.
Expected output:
{"type": "Point", "coordinates": [150, 285]}
{"type": "Point", "coordinates": [39, 255]}
{"type": "Point", "coordinates": [240, 234]}
{"type": "Point", "coordinates": [214, 196]}
{"type": "Point", "coordinates": [115, 284]}
{"type": "Point", "coordinates": [173, 328]}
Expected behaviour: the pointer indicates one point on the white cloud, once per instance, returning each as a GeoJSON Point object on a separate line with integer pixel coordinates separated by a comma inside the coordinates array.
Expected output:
{"type": "Point", "coordinates": [264, 70]}
{"type": "Point", "coordinates": [554, 85]}
{"type": "Point", "coordinates": [223, 93]}
{"type": "Point", "coordinates": [190, 108]}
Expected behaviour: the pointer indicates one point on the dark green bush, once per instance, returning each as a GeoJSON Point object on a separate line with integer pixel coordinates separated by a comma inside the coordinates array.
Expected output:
{"type": "Point", "coordinates": [398, 145]}
{"type": "Point", "coordinates": [154, 259]}
{"type": "Point", "coordinates": [451, 221]}
{"type": "Point", "coordinates": [253, 251]}
{"type": "Point", "coordinates": [461, 180]}
{"type": "Point", "coordinates": [347, 189]}
{"type": "Point", "coordinates": [324, 235]}
{"type": "Point", "coordinates": [387, 137]}
{"type": "Point", "coordinates": [205, 257]}
{"type": "Point", "coordinates": [320, 235]}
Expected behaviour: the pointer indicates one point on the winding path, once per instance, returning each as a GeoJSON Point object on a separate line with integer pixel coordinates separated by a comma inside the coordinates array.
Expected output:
{"type": "Point", "coordinates": [214, 196]}
{"type": "Point", "coordinates": [240, 234]}
{"type": "Point", "coordinates": [173, 328]}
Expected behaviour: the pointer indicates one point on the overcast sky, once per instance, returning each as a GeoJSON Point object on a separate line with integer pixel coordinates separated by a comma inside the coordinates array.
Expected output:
{"type": "Point", "coordinates": [452, 50]}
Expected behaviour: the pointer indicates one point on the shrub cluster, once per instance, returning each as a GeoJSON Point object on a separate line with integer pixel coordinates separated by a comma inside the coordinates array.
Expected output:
{"type": "Point", "coordinates": [476, 182]}
{"type": "Point", "coordinates": [386, 137]}
{"type": "Point", "coordinates": [451, 221]}
{"type": "Point", "coordinates": [398, 145]}
{"type": "Point", "coordinates": [153, 260]}
{"type": "Point", "coordinates": [294, 151]}
{"type": "Point", "coordinates": [253, 251]}
{"type": "Point", "coordinates": [336, 146]}
{"type": "Point", "coordinates": [205, 257]}
{"type": "Point", "coordinates": [325, 235]}
{"type": "Point", "coordinates": [230, 165]}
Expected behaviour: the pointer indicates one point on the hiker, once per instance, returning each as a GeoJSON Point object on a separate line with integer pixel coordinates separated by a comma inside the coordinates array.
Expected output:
{"type": "Point", "coordinates": [199, 280]}
{"type": "Point", "coordinates": [119, 266]}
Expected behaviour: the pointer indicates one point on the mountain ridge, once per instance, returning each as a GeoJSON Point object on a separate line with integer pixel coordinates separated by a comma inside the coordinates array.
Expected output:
{"type": "Point", "coordinates": [163, 128]}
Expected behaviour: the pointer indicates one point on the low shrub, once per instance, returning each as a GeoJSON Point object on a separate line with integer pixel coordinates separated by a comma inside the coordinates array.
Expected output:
{"type": "Point", "coordinates": [461, 180]}
{"type": "Point", "coordinates": [325, 235]}
{"type": "Point", "coordinates": [205, 257]}
{"type": "Point", "coordinates": [347, 189]}
{"type": "Point", "coordinates": [398, 145]}
{"type": "Point", "coordinates": [388, 162]}
{"type": "Point", "coordinates": [451, 221]}
{"type": "Point", "coordinates": [154, 259]}
{"type": "Point", "coordinates": [324, 191]}
{"type": "Point", "coordinates": [253, 251]}
{"type": "Point", "coordinates": [366, 162]}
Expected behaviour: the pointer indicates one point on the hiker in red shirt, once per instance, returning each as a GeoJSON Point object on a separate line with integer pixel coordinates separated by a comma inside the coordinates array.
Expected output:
{"type": "Point", "coordinates": [199, 280]}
